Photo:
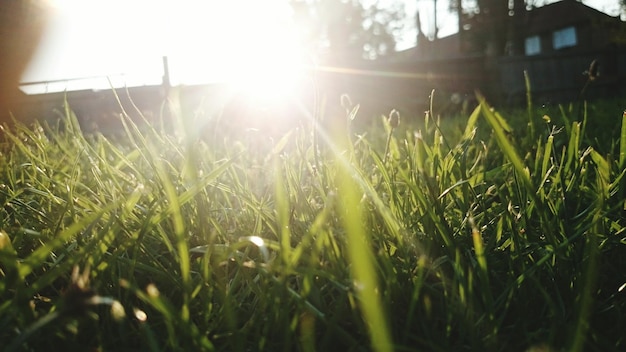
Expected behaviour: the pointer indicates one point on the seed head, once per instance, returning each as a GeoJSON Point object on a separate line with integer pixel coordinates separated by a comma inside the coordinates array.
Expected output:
{"type": "Point", "coordinates": [117, 311]}
{"type": "Point", "coordinates": [5, 242]}
{"type": "Point", "coordinates": [346, 102]}
{"type": "Point", "coordinates": [152, 291]}
{"type": "Point", "coordinates": [593, 71]}
{"type": "Point", "coordinates": [394, 118]}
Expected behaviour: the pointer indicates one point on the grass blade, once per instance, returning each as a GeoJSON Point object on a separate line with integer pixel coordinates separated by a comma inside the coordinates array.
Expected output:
{"type": "Point", "coordinates": [362, 260]}
{"type": "Point", "coordinates": [506, 146]}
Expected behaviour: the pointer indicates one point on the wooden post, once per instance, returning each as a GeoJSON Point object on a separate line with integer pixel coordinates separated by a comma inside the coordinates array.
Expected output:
{"type": "Point", "coordinates": [166, 83]}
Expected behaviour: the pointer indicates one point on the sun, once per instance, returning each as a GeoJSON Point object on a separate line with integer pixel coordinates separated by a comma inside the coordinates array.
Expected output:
{"type": "Point", "coordinates": [266, 70]}
{"type": "Point", "coordinates": [249, 45]}
{"type": "Point", "coordinates": [270, 66]}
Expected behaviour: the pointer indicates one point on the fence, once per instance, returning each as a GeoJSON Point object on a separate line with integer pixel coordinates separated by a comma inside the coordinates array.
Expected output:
{"type": "Point", "coordinates": [562, 76]}
{"type": "Point", "coordinates": [380, 86]}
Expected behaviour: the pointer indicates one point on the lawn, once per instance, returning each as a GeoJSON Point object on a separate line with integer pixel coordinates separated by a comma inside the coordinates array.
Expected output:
{"type": "Point", "coordinates": [497, 231]}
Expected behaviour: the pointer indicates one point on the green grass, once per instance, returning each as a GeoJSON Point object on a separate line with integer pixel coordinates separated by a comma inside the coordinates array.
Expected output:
{"type": "Point", "coordinates": [436, 235]}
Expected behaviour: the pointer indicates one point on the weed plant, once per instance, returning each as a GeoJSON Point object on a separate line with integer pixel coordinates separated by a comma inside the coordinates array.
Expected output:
{"type": "Point", "coordinates": [437, 235]}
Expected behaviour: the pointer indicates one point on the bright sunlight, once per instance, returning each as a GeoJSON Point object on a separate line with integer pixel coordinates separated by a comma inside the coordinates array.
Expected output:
{"type": "Point", "coordinates": [248, 44]}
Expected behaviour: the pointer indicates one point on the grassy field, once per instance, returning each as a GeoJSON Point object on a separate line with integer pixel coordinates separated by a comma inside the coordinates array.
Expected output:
{"type": "Point", "coordinates": [490, 232]}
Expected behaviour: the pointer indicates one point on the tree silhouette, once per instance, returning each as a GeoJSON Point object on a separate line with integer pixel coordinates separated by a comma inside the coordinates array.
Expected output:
{"type": "Point", "coordinates": [344, 30]}
{"type": "Point", "coordinates": [488, 25]}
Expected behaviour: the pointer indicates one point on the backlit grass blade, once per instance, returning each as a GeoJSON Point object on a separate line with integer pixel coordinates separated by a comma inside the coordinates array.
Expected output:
{"type": "Point", "coordinates": [547, 153]}
{"type": "Point", "coordinates": [587, 292]}
{"type": "Point", "coordinates": [574, 145]}
{"type": "Point", "coordinates": [622, 143]}
{"type": "Point", "coordinates": [483, 277]}
{"type": "Point", "coordinates": [362, 260]}
{"type": "Point", "coordinates": [506, 146]}
{"type": "Point", "coordinates": [182, 246]}
{"type": "Point", "coordinates": [35, 259]}
{"type": "Point", "coordinates": [603, 168]}
{"type": "Point", "coordinates": [529, 106]}
{"type": "Point", "coordinates": [471, 123]}
{"type": "Point", "coordinates": [282, 209]}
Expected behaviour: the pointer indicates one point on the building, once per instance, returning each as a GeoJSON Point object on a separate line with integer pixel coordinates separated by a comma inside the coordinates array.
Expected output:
{"type": "Point", "coordinates": [554, 44]}
{"type": "Point", "coordinates": [567, 26]}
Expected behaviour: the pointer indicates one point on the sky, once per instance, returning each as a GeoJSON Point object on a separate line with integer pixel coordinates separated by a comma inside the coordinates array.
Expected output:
{"type": "Point", "coordinates": [125, 40]}
{"type": "Point", "coordinates": [122, 42]}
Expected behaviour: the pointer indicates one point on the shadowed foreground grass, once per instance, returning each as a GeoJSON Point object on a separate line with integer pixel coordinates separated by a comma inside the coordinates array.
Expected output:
{"type": "Point", "coordinates": [483, 238]}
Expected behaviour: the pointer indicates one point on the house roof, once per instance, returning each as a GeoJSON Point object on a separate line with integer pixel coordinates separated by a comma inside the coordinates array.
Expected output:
{"type": "Point", "coordinates": [444, 47]}
{"type": "Point", "coordinates": [561, 14]}
{"type": "Point", "coordinates": [539, 20]}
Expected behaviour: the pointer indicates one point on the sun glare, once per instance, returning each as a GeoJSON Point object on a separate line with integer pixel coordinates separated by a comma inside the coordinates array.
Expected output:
{"type": "Point", "coordinates": [272, 74]}
{"type": "Point", "coordinates": [248, 44]}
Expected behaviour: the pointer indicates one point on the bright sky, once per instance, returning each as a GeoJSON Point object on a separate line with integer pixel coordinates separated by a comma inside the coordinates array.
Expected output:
{"type": "Point", "coordinates": [205, 41]}
{"type": "Point", "coordinates": [241, 41]}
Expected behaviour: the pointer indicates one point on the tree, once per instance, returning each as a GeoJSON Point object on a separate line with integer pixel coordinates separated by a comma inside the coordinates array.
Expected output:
{"type": "Point", "coordinates": [21, 26]}
{"type": "Point", "coordinates": [342, 30]}
{"type": "Point", "coordinates": [488, 25]}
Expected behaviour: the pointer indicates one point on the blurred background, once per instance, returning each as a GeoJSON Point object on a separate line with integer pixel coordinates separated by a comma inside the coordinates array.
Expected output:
{"type": "Point", "coordinates": [387, 53]}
